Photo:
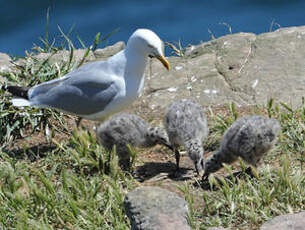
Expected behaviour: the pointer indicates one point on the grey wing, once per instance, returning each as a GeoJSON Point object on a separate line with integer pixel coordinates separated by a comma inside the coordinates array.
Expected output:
{"type": "Point", "coordinates": [82, 92]}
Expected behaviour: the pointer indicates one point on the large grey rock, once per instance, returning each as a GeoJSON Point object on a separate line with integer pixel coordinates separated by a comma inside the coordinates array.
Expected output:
{"type": "Point", "coordinates": [60, 57]}
{"type": "Point", "coordinates": [244, 68]}
{"type": "Point", "coordinates": [154, 208]}
{"type": "Point", "coordinates": [5, 63]}
{"type": "Point", "coordinates": [286, 222]}
{"type": "Point", "coordinates": [64, 56]}
{"type": "Point", "coordinates": [109, 50]}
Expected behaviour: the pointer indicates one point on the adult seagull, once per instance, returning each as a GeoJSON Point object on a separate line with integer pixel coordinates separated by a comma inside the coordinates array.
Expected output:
{"type": "Point", "coordinates": [98, 89]}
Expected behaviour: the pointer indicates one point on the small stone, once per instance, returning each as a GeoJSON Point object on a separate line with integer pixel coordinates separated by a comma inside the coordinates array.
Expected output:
{"type": "Point", "coordinates": [154, 208]}
{"type": "Point", "coordinates": [286, 222]}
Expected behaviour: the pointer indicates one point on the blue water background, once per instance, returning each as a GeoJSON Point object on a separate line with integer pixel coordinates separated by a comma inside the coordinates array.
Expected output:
{"type": "Point", "coordinates": [23, 22]}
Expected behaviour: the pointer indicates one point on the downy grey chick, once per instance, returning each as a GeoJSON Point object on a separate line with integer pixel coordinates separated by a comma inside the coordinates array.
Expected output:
{"type": "Point", "coordinates": [123, 129]}
{"type": "Point", "coordinates": [186, 125]}
{"type": "Point", "coordinates": [249, 137]}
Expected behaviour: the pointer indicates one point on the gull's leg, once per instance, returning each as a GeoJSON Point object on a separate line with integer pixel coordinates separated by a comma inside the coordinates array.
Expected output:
{"type": "Point", "coordinates": [249, 170]}
{"type": "Point", "coordinates": [78, 121]}
{"type": "Point", "coordinates": [124, 164]}
{"type": "Point", "coordinates": [196, 169]}
{"type": "Point", "coordinates": [124, 157]}
{"type": "Point", "coordinates": [205, 177]}
{"type": "Point", "coordinates": [177, 156]}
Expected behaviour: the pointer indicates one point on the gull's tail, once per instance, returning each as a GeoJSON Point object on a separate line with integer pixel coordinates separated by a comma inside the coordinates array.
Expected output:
{"type": "Point", "coordinates": [21, 94]}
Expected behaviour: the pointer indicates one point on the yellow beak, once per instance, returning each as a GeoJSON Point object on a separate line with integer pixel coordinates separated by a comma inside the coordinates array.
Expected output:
{"type": "Point", "coordinates": [164, 61]}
